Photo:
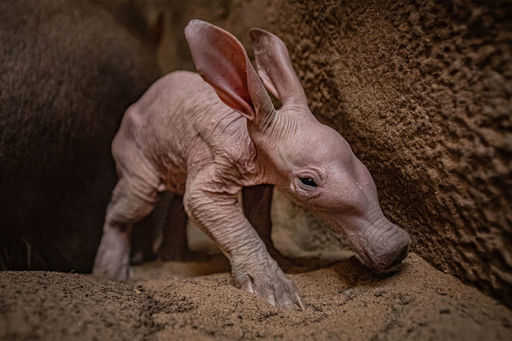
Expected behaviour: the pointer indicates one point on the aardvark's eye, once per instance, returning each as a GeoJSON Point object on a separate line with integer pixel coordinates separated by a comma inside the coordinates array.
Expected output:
{"type": "Point", "coordinates": [308, 182]}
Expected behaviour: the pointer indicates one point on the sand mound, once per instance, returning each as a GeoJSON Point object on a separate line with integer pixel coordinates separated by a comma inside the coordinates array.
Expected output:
{"type": "Point", "coordinates": [169, 301]}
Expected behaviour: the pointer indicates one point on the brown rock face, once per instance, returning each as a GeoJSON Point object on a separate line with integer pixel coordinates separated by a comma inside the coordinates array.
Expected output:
{"type": "Point", "coordinates": [236, 16]}
{"type": "Point", "coordinates": [422, 91]}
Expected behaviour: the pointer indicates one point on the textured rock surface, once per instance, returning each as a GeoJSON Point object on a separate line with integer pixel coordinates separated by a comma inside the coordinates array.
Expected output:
{"type": "Point", "coordinates": [236, 16]}
{"type": "Point", "coordinates": [422, 91]}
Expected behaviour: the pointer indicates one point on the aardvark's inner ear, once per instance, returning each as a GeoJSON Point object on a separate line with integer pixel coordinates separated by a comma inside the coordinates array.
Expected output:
{"type": "Point", "coordinates": [222, 62]}
{"type": "Point", "coordinates": [275, 67]}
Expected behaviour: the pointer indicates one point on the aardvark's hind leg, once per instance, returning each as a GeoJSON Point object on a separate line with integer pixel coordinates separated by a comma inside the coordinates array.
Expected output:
{"type": "Point", "coordinates": [130, 203]}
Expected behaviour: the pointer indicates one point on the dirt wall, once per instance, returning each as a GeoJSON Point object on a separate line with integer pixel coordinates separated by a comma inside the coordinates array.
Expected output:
{"type": "Point", "coordinates": [422, 91]}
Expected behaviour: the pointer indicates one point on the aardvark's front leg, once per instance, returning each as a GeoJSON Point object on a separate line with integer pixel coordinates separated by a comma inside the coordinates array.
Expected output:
{"type": "Point", "coordinates": [218, 212]}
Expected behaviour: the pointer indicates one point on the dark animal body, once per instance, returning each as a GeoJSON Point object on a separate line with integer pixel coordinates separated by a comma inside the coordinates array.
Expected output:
{"type": "Point", "coordinates": [68, 71]}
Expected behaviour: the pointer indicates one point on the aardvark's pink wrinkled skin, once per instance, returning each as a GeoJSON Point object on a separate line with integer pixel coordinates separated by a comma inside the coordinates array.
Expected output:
{"type": "Point", "coordinates": [207, 140]}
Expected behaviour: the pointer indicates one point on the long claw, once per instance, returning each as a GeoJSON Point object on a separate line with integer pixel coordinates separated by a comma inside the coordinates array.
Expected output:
{"type": "Point", "coordinates": [269, 282]}
{"type": "Point", "coordinates": [247, 286]}
{"type": "Point", "coordinates": [299, 302]}
{"type": "Point", "coordinates": [271, 299]}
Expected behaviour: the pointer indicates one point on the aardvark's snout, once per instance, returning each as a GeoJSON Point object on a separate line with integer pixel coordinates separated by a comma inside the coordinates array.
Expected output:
{"type": "Point", "coordinates": [388, 250]}
{"type": "Point", "coordinates": [381, 247]}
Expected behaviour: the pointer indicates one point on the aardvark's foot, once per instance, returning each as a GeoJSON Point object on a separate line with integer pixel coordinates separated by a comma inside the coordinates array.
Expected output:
{"type": "Point", "coordinates": [112, 259]}
{"type": "Point", "coordinates": [265, 279]}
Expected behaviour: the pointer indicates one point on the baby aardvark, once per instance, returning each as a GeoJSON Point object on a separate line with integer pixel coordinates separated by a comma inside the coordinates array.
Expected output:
{"type": "Point", "coordinates": [209, 137]}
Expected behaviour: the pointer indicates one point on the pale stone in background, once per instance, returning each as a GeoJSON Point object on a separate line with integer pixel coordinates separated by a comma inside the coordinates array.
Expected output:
{"type": "Point", "coordinates": [296, 233]}
{"type": "Point", "coordinates": [299, 234]}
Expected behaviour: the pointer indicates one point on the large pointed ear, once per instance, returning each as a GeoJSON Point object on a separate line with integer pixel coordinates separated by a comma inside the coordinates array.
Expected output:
{"type": "Point", "coordinates": [275, 67]}
{"type": "Point", "coordinates": [222, 62]}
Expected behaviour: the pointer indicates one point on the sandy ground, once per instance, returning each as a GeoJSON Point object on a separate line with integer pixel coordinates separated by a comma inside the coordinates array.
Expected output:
{"type": "Point", "coordinates": [177, 301]}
